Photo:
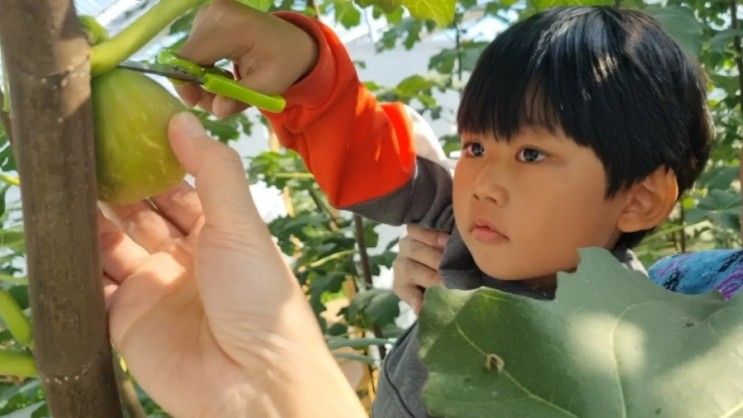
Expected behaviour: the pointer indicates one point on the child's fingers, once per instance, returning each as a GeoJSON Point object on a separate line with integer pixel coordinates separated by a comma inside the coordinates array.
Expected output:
{"type": "Point", "coordinates": [407, 270]}
{"type": "Point", "coordinates": [223, 29]}
{"type": "Point", "coordinates": [206, 100]}
{"type": "Point", "coordinates": [224, 106]}
{"type": "Point", "coordinates": [145, 225]}
{"type": "Point", "coordinates": [429, 236]}
{"type": "Point", "coordinates": [181, 206]}
{"type": "Point", "coordinates": [190, 93]}
{"type": "Point", "coordinates": [421, 252]}
{"type": "Point", "coordinates": [410, 294]}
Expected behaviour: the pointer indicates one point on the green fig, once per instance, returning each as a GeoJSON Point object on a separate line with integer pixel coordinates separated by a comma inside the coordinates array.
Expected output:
{"type": "Point", "coordinates": [133, 156]}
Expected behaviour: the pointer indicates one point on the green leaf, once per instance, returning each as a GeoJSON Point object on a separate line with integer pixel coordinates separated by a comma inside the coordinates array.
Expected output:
{"type": "Point", "coordinates": [335, 343]}
{"type": "Point", "coordinates": [375, 306]}
{"type": "Point", "coordinates": [726, 82]}
{"type": "Point", "coordinates": [321, 284]}
{"type": "Point", "coordinates": [723, 39]}
{"type": "Point", "coordinates": [388, 6]}
{"type": "Point", "coordinates": [10, 237]}
{"type": "Point", "coordinates": [183, 24]}
{"type": "Point", "coordinates": [346, 13]}
{"type": "Point", "coordinates": [262, 5]}
{"type": "Point", "coordinates": [681, 24]}
{"type": "Point", "coordinates": [611, 344]}
{"type": "Point", "coordinates": [544, 4]}
{"type": "Point", "coordinates": [440, 11]}
{"type": "Point", "coordinates": [719, 177]}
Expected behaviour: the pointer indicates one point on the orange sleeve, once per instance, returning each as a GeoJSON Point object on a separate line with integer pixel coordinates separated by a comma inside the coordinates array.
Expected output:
{"type": "Point", "coordinates": [357, 148]}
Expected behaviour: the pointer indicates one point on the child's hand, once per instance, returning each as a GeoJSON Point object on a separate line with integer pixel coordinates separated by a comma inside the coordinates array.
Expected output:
{"type": "Point", "coordinates": [270, 53]}
{"type": "Point", "coordinates": [416, 267]}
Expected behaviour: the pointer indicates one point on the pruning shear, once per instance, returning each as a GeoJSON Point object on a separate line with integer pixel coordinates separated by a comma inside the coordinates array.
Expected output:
{"type": "Point", "coordinates": [211, 79]}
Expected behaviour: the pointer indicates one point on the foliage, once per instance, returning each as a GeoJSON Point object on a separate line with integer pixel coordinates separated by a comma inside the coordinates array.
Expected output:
{"type": "Point", "coordinates": [618, 345]}
{"type": "Point", "coordinates": [325, 245]}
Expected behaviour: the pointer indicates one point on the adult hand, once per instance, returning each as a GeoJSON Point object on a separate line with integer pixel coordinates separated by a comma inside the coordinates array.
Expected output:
{"type": "Point", "coordinates": [201, 304]}
{"type": "Point", "coordinates": [416, 267]}
{"type": "Point", "coordinates": [270, 53]}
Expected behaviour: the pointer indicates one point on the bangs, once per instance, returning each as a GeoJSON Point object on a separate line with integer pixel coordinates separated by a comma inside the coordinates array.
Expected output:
{"type": "Point", "coordinates": [556, 72]}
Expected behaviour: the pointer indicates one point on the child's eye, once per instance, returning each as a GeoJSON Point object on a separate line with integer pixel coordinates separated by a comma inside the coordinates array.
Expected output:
{"type": "Point", "coordinates": [530, 155]}
{"type": "Point", "coordinates": [473, 149]}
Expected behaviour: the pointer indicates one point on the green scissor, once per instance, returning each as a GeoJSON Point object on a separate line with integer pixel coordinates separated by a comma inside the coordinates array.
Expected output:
{"type": "Point", "coordinates": [211, 79]}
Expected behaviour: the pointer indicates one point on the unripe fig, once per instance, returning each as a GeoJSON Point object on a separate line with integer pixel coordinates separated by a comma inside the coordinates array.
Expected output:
{"type": "Point", "coordinates": [133, 155]}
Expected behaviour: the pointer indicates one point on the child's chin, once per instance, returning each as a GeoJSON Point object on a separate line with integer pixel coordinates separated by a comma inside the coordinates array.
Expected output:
{"type": "Point", "coordinates": [501, 272]}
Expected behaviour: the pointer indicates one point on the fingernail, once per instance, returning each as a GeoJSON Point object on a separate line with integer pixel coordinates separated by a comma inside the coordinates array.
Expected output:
{"type": "Point", "coordinates": [189, 124]}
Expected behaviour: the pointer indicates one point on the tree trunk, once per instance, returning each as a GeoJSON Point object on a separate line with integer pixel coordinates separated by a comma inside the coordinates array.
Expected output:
{"type": "Point", "coordinates": [46, 57]}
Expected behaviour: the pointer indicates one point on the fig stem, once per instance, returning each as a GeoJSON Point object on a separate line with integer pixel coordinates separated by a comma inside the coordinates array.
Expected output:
{"type": "Point", "coordinates": [108, 54]}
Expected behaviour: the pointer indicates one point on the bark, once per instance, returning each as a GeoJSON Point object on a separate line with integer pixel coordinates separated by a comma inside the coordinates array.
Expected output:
{"type": "Point", "coordinates": [46, 57]}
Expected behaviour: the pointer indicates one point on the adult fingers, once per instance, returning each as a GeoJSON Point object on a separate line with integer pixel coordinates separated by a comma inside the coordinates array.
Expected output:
{"type": "Point", "coordinates": [181, 206]}
{"type": "Point", "coordinates": [220, 180]}
{"type": "Point", "coordinates": [144, 225]}
{"type": "Point", "coordinates": [120, 255]}
{"type": "Point", "coordinates": [241, 273]}
{"type": "Point", "coordinates": [109, 290]}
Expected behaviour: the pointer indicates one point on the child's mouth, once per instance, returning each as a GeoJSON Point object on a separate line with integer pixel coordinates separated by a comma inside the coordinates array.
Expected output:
{"type": "Point", "coordinates": [484, 231]}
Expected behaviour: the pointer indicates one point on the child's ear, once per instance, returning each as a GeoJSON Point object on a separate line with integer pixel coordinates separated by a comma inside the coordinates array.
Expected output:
{"type": "Point", "coordinates": [649, 201]}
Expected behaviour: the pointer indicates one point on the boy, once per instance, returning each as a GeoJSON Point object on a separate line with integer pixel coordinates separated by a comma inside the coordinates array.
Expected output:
{"type": "Point", "coordinates": [580, 127]}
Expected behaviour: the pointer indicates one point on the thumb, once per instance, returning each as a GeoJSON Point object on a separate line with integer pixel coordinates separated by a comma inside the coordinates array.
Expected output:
{"type": "Point", "coordinates": [221, 183]}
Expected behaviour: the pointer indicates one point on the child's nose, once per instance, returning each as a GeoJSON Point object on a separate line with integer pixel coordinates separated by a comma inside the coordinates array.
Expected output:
{"type": "Point", "coordinates": [489, 187]}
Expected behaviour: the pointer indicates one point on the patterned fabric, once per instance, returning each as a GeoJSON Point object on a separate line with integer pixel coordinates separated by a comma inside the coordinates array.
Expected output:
{"type": "Point", "coordinates": [701, 272]}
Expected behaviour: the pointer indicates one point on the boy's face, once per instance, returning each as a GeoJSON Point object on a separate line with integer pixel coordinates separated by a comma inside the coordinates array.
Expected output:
{"type": "Point", "coordinates": [524, 208]}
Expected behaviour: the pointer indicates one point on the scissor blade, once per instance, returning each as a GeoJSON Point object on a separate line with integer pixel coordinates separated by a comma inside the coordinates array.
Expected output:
{"type": "Point", "coordinates": [159, 69]}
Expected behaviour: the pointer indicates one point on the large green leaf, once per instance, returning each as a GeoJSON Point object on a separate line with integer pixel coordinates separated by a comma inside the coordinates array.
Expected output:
{"type": "Point", "coordinates": [682, 25]}
{"type": "Point", "coordinates": [611, 344]}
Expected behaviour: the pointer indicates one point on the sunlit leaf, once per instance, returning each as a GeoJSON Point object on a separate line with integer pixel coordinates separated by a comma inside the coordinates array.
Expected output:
{"type": "Point", "coordinates": [611, 344]}
{"type": "Point", "coordinates": [440, 11]}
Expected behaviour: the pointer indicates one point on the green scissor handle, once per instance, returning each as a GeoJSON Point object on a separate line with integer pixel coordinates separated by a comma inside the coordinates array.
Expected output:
{"type": "Point", "coordinates": [221, 82]}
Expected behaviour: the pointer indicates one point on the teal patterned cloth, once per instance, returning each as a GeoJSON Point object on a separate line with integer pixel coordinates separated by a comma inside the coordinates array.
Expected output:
{"type": "Point", "coordinates": [701, 272]}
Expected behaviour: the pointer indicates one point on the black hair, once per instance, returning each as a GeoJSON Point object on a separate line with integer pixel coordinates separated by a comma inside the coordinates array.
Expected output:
{"type": "Point", "coordinates": [610, 79]}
